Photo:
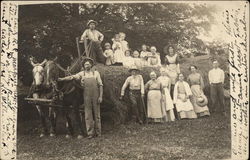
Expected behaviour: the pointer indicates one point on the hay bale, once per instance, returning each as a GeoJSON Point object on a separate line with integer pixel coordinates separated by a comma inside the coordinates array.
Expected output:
{"type": "Point", "coordinates": [114, 76]}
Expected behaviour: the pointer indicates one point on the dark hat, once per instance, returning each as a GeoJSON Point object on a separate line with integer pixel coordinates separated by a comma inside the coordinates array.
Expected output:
{"type": "Point", "coordinates": [91, 21]}
{"type": "Point", "coordinates": [133, 68]}
{"type": "Point", "coordinates": [202, 101]}
{"type": "Point", "coordinates": [87, 59]}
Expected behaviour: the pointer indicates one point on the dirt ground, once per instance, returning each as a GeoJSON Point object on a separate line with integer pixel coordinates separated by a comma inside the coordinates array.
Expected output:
{"type": "Point", "coordinates": [204, 138]}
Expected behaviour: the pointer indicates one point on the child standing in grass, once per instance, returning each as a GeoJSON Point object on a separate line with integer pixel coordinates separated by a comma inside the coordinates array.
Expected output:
{"type": "Point", "coordinates": [109, 54]}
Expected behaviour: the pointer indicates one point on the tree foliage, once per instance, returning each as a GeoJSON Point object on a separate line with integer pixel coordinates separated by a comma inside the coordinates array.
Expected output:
{"type": "Point", "coordinates": [51, 29]}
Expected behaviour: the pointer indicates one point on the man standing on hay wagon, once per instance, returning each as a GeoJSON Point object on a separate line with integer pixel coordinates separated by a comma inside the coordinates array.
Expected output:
{"type": "Point", "coordinates": [92, 39]}
{"type": "Point", "coordinates": [93, 92]}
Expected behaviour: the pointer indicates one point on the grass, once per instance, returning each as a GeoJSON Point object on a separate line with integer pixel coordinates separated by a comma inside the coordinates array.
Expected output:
{"type": "Point", "coordinates": [201, 139]}
{"type": "Point", "coordinates": [204, 138]}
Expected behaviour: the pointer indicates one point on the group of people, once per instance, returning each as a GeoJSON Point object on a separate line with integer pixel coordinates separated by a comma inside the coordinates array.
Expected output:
{"type": "Point", "coordinates": [169, 96]}
{"type": "Point", "coordinates": [118, 53]}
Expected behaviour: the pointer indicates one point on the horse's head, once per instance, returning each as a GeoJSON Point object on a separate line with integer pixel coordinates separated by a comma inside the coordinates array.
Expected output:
{"type": "Point", "coordinates": [51, 72]}
{"type": "Point", "coordinates": [38, 75]}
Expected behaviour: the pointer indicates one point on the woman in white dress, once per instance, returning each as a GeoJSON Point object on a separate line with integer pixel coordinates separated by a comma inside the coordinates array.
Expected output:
{"type": "Point", "coordinates": [172, 62]}
{"type": "Point", "coordinates": [117, 48]}
{"type": "Point", "coordinates": [182, 95]}
{"type": "Point", "coordinates": [167, 102]}
{"type": "Point", "coordinates": [154, 94]}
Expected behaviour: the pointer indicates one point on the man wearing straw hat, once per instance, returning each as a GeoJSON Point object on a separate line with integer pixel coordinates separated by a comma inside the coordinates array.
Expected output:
{"type": "Point", "coordinates": [136, 93]}
{"type": "Point", "coordinates": [93, 92]}
{"type": "Point", "coordinates": [92, 39]}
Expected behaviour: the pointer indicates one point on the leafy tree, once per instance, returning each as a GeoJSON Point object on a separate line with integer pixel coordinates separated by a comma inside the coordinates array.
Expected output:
{"type": "Point", "coordinates": [50, 29]}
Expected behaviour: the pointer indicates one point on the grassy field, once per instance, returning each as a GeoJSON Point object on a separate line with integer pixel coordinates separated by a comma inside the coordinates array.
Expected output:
{"type": "Point", "coordinates": [198, 139]}
{"type": "Point", "coordinates": [205, 138]}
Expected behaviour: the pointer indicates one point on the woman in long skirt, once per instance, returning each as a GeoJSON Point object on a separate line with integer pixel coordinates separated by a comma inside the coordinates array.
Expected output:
{"type": "Point", "coordinates": [172, 63]}
{"type": "Point", "coordinates": [167, 102]}
{"type": "Point", "coordinates": [153, 88]}
{"type": "Point", "coordinates": [182, 94]}
{"type": "Point", "coordinates": [199, 100]}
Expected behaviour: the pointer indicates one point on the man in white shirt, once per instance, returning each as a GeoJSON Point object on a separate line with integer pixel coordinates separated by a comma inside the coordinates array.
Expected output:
{"type": "Point", "coordinates": [136, 93]}
{"type": "Point", "coordinates": [93, 38]}
{"type": "Point", "coordinates": [216, 79]}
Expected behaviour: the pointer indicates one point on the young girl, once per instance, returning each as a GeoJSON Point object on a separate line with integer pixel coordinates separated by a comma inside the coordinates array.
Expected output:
{"type": "Point", "coordinates": [109, 54]}
{"type": "Point", "coordinates": [154, 59]}
{"type": "Point", "coordinates": [144, 55]}
{"type": "Point", "coordinates": [117, 48]}
{"type": "Point", "coordinates": [124, 43]}
{"type": "Point", "coordinates": [128, 61]}
{"type": "Point", "coordinates": [137, 59]}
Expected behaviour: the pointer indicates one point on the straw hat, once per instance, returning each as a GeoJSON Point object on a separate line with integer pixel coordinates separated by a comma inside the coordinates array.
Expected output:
{"type": "Point", "coordinates": [91, 21]}
{"type": "Point", "coordinates": [202, 101]}
{"type": "Point", "coordinates": [87, 59]}
{"type": "Point", "coordinates": [133, 68]}
{"type": "Point", "coordinates": [107, 44]}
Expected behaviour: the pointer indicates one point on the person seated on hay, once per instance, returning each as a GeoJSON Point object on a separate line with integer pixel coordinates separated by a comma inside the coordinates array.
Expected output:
{"type": "Point", "coordinates": [144, 55]}
{"type": "Point", "coordinates": [154, 59]}
{"type": "Point", "coordinates": [137, 59]}
{"type": "Point", "coordinates": [128, 61]}
{"type": "Point", "coordinates": [93, 39]}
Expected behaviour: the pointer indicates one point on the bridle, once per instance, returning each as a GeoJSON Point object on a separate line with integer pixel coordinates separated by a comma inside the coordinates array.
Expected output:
{"type": "Point", "coordinates": [39, 72]}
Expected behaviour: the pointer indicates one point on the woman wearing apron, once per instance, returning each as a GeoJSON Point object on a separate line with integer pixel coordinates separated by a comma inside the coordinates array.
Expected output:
{"type": "Point", "coordinates": [199, 100]}
{"type": "Point", "coordinates": [154, 96]}
{"type": "Point", "coordinates": [167, 102]}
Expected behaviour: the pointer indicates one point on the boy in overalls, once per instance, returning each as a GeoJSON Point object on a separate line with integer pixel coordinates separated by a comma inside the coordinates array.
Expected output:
{"type": "Point", "coordinates": [93, 92]}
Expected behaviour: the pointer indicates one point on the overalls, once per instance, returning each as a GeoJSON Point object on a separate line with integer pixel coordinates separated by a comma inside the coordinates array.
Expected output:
{"type": "Point", "coordinates": [91, 105]}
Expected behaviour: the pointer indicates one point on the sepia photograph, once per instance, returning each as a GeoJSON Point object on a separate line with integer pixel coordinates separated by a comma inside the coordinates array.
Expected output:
{"type": "Point", "coordinates": [127, 80]}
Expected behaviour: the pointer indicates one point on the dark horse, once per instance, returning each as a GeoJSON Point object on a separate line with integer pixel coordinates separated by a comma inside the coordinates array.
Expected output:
{"type": "Point", "coordinates": [68, 95]}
